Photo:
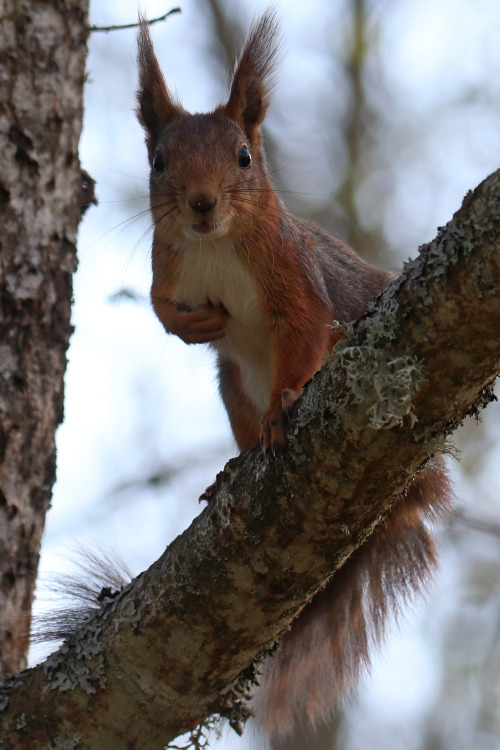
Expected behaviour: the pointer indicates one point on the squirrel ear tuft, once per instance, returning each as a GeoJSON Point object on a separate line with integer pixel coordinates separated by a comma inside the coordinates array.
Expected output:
{"type": "Point", "coordinates": [156, 106]}
{"type": "Point", "coordinates": [254, 73]}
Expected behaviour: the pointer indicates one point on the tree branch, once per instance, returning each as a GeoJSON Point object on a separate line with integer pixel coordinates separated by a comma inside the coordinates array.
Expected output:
{"type": "Point", "coordinates": [168, 651]}
{"type": "Point", "coordinates": [135, 25]}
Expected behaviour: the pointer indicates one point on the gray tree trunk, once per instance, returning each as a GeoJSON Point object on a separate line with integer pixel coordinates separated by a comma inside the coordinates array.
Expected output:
{"type": "Point", "coordinates": [42, 194]}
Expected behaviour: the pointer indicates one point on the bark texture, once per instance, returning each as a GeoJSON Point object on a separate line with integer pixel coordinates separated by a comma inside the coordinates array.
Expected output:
{"type": "Point", "coordinates": [42, 61]}
{"type": "Point", "coordinates": [174, 646]}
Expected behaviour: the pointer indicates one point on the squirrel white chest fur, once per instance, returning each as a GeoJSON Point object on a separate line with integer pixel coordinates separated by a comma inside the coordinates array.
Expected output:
{"type": "Point", "coordinates": [210, 271]}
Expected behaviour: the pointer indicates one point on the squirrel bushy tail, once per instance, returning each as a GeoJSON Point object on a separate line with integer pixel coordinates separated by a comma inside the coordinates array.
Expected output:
{"type": "Point", "coordinates": [98, 576]}
{"type": "Point", "coordinates": [328, 647]}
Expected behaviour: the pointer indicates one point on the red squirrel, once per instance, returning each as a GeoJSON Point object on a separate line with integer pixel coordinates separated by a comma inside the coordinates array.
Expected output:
{"type": "Point", "coordinates": [232, 267]}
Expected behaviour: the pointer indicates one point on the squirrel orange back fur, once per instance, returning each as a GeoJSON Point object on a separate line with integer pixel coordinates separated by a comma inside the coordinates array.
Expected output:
{"type": "Point", "coordinates": [233, 268]}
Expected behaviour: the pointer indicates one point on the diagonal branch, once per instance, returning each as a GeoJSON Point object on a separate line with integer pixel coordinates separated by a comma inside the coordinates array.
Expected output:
{"type": "Point", "coordinates": [160, 657]}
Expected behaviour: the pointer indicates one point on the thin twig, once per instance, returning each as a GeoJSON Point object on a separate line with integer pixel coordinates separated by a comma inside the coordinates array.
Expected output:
{"type": "Point", "coordinates": [135, 25]}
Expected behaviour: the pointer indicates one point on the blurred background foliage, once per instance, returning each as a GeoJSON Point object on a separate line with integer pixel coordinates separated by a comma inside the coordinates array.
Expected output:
{"type": "Point", "coordinates": [385, 113]}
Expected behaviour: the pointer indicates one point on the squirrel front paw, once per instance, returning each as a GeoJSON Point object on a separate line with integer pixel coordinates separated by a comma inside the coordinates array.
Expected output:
{"type": "Point", "coordinates": [200, 326]}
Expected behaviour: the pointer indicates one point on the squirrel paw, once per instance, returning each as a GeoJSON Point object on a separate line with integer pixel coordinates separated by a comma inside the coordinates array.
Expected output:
{"type": "Point", "coordinates": [208, 494]}
{"type": "Point", "coordinates": [288, 398]}
{"type": "Point", "coordinates": [272, 435]}
{"type": "Point", "coordinates": [206, 323]}
{"type": "Point", "coordinates": [200, 326]}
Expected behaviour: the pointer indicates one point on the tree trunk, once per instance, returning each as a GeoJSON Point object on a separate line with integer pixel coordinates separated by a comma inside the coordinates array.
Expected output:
{"type": "Point", "coordinates": [176, 644]}
{"type": "Point", "coordinates": [42, 194]}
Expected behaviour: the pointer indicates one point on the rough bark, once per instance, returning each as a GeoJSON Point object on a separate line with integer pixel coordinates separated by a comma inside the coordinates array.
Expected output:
{"type": "Point", "coordinates": [42, 59]}
{"type": "Point", "coordinates": [168, 651]}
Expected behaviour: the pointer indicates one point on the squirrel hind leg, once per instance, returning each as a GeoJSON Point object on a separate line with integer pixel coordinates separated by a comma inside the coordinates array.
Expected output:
{"type": "Point", "coordinates": [328, 647]}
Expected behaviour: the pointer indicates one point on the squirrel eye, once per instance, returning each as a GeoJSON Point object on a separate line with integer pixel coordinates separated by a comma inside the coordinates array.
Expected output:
{"type": "Point", "coordinates": [158, 163]}
{"type": "Point", "coordinates": [244, 158]}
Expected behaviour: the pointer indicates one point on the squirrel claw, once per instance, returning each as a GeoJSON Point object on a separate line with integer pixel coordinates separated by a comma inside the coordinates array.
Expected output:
{"type": "Point", "coordinates": [272, 435]}
{"type": "Point", "coordinates": [208, 494]}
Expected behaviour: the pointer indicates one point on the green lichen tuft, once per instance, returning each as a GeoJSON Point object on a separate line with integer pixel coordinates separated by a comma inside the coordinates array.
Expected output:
{"type": "Point", "coordinates": [79, 663]}
{"type": "Point", "coordinates": [386, 378]}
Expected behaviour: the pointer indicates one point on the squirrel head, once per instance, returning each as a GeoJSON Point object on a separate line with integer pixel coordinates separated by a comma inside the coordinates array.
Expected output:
{"type": "Point", "coordinates": [208, 172]}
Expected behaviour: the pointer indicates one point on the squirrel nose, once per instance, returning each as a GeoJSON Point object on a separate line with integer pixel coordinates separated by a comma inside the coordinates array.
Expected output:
{"type": "Point", "coordinates": [203, 204]}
